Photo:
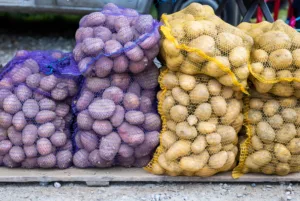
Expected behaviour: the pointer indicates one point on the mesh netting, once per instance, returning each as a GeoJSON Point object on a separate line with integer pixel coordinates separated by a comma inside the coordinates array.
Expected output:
{"type": "Point", "coordinates": [116, 40]}
{"type": "Point", "coordinates": [275, 58]}
{"type": "Point", "coordinates": [196, 41]}
{"type": "Point", "coordinates": [273, 130]}
{"type": "Point", "coordinates": [201, 119]}
{"type": "Point", "coordinates": [117, 122]}
{"type": "Point", "coordinates": [36, 90]}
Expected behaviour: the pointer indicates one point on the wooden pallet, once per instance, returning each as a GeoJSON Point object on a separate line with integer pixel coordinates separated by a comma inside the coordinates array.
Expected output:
{"type": "Point", "coordinates": [104, 177]}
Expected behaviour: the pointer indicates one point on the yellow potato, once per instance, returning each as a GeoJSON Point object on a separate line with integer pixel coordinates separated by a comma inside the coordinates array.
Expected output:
{"type": "Point", "coordinates": [289, 115]}
{"type": "Point", "coordinates": [185, 131]}
{"type": "Point", "coordinates": [268, 169]}
{"type": "Point", "coordinates": [286, 133]}
{"type": "Point", "coordinates": [244, 26]}
{"type": "Point", "coordinates": [259, 55]}
{"type": "Point", "coordinates": [265, 132]}
{"type": "Point", "coordinates": [167, 104]}
{"type": "Point", "coordinates": [214, 87]}
{"type": "Point", "coordinates": [171, 125]}
{"type": "Point", "coordinates": [257, 67]}
{"type": "Point", "coordinates": [256, 143]}
{"type": "Point", "coordinates": [242, 72]}
{"type": "Point", "coordinates": [297, 122]}
{"type": "Point", "coordinates": [238, 123]}
{"type": "Point", "coordinates": [294, 146]}
{"type": "Point", "coordinates": [170, 166]}
{"type": "Point", "coordinates": [238, 56]}
{"type": "Point", "coordinates": [266, 41]}
{"type": "Point", "coordinates": [271, 107]}
{"type": "Point", "coordinates": [177, 29]}
{"type": "Point", "coordinates": [174, 63]}
{"type": "Point", "coordinates": [178, 149]}
{"type": "Point", "coordinates": [213, 139]}
{"type": "Point", "coordinates": [284, 74]}
{"type": "Point", "coordinates": [275, 121]}
{"type": "Point", "coordinates": [203, 111]}
{"type": "Point", "coordinates": [206, 171]}
{"type": "Point", "coordinates": [230, 163]}
{"type": "Point", "coordinates": [227, 92]}
{"type": "Point", "coordinates": [199, 94]}
{"type": "Point", "coordinates": [280, 59]}
{"type": "Point", "coordinates": [204, 43]}
{"type": "Point", "coordinates": [213, 149]}
{"type": "Point", "coordinates": [192, 120]}
{"type": "Point", "coordinates": [227, 41]}
{"type": "Point", "coordinates": [187, 82]}
{"type": "Point", "coordinates": [157, 169]}
{"type": "Point", "coordinates": [282, 89]}
{"type": "Point", "coordinates": [233, 110]}
{"type": "Point", "coordinates": [170, 49]}
{"type": "Point", "coordinates": [228, 147]}
{"type": "Point", "coordinates": [288, 102]}
{"type": "Point", "coordinates": [179, 113]}
{"type": "Point", "coordinates": [212, 69]}
{"type": "Point", "coordinates": [181, 96]}
{"type": "Point", "coordinates": [226, 80]}
{"type": "Point", "coordinates": [168, 138]}
{"type": "Point", "coordinates": [254, 116]}
{"type": "Point", "coordinates": [218, 160]}
{"type": "Point", "coordinates": [199, 144]}
{"type": "Point", "coordinates": [282, 169]}
{"type": "Point", "coordinates": [227, 133]}
{"type": "Point", "coordinates": [219, 105]}
{"type": "Point", "coordinates": [256, 103]}
{"type": "Point", "coordinates": [170, 80]}
{"type": "Point", "coordinates": [258, 159]}
{"type": "Point", "coordinates": [194, 163]}
{"type": "Point", "coordinates": [206, 127]}
{"type": "Point", "coordinates": [193, 29]}
{"type": "Point", "coordinates": [189, 68]}
{"type": "Point", "coordinates": [282, 153]}
{"type": "Point", "coordinates": [261, 87]}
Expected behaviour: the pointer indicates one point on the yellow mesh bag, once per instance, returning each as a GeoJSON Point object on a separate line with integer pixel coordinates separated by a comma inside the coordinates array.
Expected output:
{"type": "Point", "coordinates": [196, 41]}
{"type": "Point", "coordinates": [275, 58]}
{"type": "Point", "coordinates": [273, 130]}
{"type": "Point", "coordinates": [201, 119]}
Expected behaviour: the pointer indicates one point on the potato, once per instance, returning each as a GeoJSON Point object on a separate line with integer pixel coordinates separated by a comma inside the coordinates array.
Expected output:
{"type": "Point", "coordinates": [135, 117]}
{"type": "Point", "coordinates": [266, 41]}
{"type": "Point", "coordinates": [47, 104]}
{"type": "Point", "coordinates": [80, 159]}
{"type": "Point", "coordinates": [112, 48]}
{"type": "Point", "coordinates": [11, 104]}
{"type": "Point", "coordinates": [199, 94]}
{"type": "Point", "coordinates": [180, 96]}
{"type": "Point", "coordinates": [271, 107]}
{"type": "Point", "coordinates": [30, 163]}
{"type": "Point", "coordinates": [178, 113]}
{"type": "Point", "coordinates": [101, 109]}
{"type": "Point", "coordinates": [20, 75]}
{"type": "Point", "coordinates": [227, 92]}
{"type": "Point", "coordinates": [84, 120]}
{"type": "Point", "coordinates": [92, 46]}
{"type": "Point", "coordinates": [280, 59]}
{"type": "Point", "coordinates": [149, 144]}
{"type": "Point", "coordinates": [206, 171]}
{"type": "Point", "coordinates": [178, 149]}
{"type": "Point", "coordinates": [103, 66]}
{"type": "Point", "coordinates": [8, 162]}
{"type": "Point", "coordinates": [203, 111]}
{"type": "Point", "coordinates": [282, 169]}
{"type": "Point", "coordinates": [238, 56]}
{"type": "Point", "coordinates": [259, 55]}
{"type": "Point", "coordinates": [276, 121]}
{"type": "Point", "coordinates": [118, 116]}
{"type": "Point", "coordinates": [23, 93]}
{"type": "Point", "coordinates": [218, 160]}
{"type": "Point", "coordinates": [19, 121]}
{"type": "Point", "coordinates": [152, 122]}
{"type": "Point", "coordinates": [146, 105]}
{"type": "Point", "coordinates": [174, 63]}
{"type": "Point", "coordinates": [232, 112]}
{"type": "Point", "coordinates": [132, 135]}
{"type": "Point", "coordinates": [30, 151]}
{"type": "Point", "coordinates": [14, 136]}
{"type": "Point", "coordinates": [286, 133]}
{"type": "Point", "coordinates": [227, 133]}
{"type": "Point", "coordinates": [134, 88]}
{"type": "Point", "coordinates": [97, 84]}
{"type": "Point", "coordinates": [258, 159]}
{"type": "Point", "coordinates": [44, 116]}
{"type": "Point", "coordinates": [289, 115]}
{"type": "Point", "coordinates": [120, 64]}
{"type": "Point", "coordinates": [185, 131]}
{"type": "Point", "coordinates": [29, 134]}
{"type": "Point", "coordinates": [64, 159]}
{"type": "Point", "coordinates": [212, 69]}
{"type": "Point", "coordinates": [85, 66]}
{"type": "Point", "coordinates": [282, 153]}
{"type": "Point", "coordinates": [293, 146]}
{"type": "Point", "coordinates": [257, 67]}
{"type": "Point", "coordinates": [131, 101]}
{"type": "Point", "coordinates": [219, 105]}
{"type": "Point", "coordinates": [255, 116]}
{"type": "Point", "coordinates": [168, 138]}
{"type": "Point", "coordinates": [89, 140]}
{"type": "Point", "coordinates": [265, 132]}
{"type": "Point", "coordinates": [48, 83]}
{"type": "Point", "coordinates": [214, 87]}
{"type": "Point", "coordinates": [213, 139]}
{"type": "Point", "coordinates": [256, 103]}
{"type": "Point", "coordinates": [204, 43]}
{"type": "Point", "coordinates": [194, 163]}
{"type": "Point", "coordinates": [47, 161]}
{"type": "Point", "coordinates": [58, 139]}
{"type": "Point", "coordinates": [102, 127]}
{"type": "Point", "coordinates": [148, 78]}
{"type": "Point", "coordinates": [125, 151]}
{"type": "Point", "coordinates": [192, 120]}
{"type": "Point", "coordinates": [44, 146]}
{"type": "Point", "coordinates": [206, 127]}
{"type": "Point", "coordinates": [227, 41]}
{"type": "Point", "coordinates": [170, 48]}
{"type": "Point", "coordinates": [109, 146]}
{"type": "Point", "coordinates": [170, 166]}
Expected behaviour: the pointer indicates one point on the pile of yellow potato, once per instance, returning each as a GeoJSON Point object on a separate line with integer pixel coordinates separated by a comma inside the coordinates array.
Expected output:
{"type": "Point", "coordinates": [203, 118]}
{"type": "Point", "coordinates": [275, 58]}
{"type": "Point", "coordinates": [196, 41]}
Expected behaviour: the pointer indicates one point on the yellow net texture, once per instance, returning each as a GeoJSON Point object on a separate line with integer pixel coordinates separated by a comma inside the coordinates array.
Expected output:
{"type": "Point", "coordinates": [275, 58]}
{"type": "Point", "coordinates": [196, 41]}
{"type": "Point", "coordinates": [273, 130]}
{"type": "Point", "coordinates": [201, 119]}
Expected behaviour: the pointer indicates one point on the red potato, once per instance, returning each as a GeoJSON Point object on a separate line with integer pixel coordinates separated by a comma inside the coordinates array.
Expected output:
{"type": "Point", "coordinates": [44, 116]}
{"type": "Point", "coordinates": [6, 83]}
{"type": "Point", "coordinates": [59, 123]}
{"type": "Point", "coordinates": [83, 32]}
{"type": "Point", "coordinates": [58, 139]}
{"type": "Point", "coordinates": [132, 135]}
{"type": "Point", "coordinates": [38, 95]}
{"type": "Point", "coordinates": [46, 130]}
{"type": "Point", "coordinates": [47, 161]}
{"type": "Point", "coordinates": [60, 92]}
{"type": "Point", "coordinates": [81, 159]}
{"type": "Point", "coordinates": [29, 134]}
{"type": "Point", "coordinates": [8, 162]}
{"type": "Point", "coordinates": [84, 120]}
{"type": "Point", "coordinates": [64, 159]}
{"type": "Point", "coordinates": [33, 81]}
{"type": "Point", "coordinates": [102, 127]}
{"type": "Point", "coordinates": [30, 151]}
{"type": "Point", "coordinates": [124, 34]}
{"type": "Point", "coordinates": [131, 101]}
{"type": "Point", "coordinates": [92, 46]}
{"type": "Point", "coordinates": [62, 109]}
{"type": "Point", "coordinates": [84, 100]}
{"type": "Point", "coordinates": [138, 66]}
{"type": "Point", "coordinates": [109, 146]}
{"type": "Point", "coordinates": [44, 146]}
{"type": "Point", "coordinates": [135, 88]}
{"type": "Point", "coordinates": [23, 92]}
{"type": "Point", "coordinates": [146, 105]}
{"type": "Point", "coordinates": [113, 93]}
{"type": "Point", "coordinates": [118, 116]}
{"type": "Point", "coordinates": [85, 66]}
{"type": "Point", "coordinates": [144, 24]}
{"type": "Point", "coordinates": [78, 142]}
{"type": "Point", "coordinates": [149, 93]}
{"type": "Point", "coordinates": [97, 84]}
{"type": "Point", "coordinates": [14, 136]}
{"type": "Point", "coordinates": [20, 75]}
{"type": "Point", "coordinates": [47, 104]}
{"type": "Point", "coordinates": [142, 162]}
{"type": "Point", "coordinates": [120, 22]}
{"type": "Point", "coordinates": [30, 108]}
{"type": "Point", "coordinates": [103, 67]}
{"type": "Point", "coordinates": [125, 162]}
{"type": "Point", "coordinates": [17, 154]}
{"type": "Point", "coordinates": [152, 53]}
{"type": "Point", "coordinates": [3, 94]}
{"type": "Point", "coordinates": [148, 146]}
{"type": "Point", "coordinates": [72, 87]}
{"type": "Point", "coordinates": [11, 104]}
{"type": "Point", "coordinates": [152, 122]}
{"type": "Point", "coordinates": [93, 19]}
{"type": "Point", "coordinates": [102, 109]}
{"type": "Point", "coordinates": [5, 146]}
{"type": "Point", "coordinates": [19, 121]}
{"type": "Point", "coordinates": [89, 140]}
{"type": "Point", "coordinates": [78, 53]}
{"type": "Point", "coordinates": [97, 161]}
{"type": "Point", "coordinates": [48, 83]}
{"type": "Point", "coordinates": [5, 120]}
{"type": "Point", "coordinates": [125, 151]}
{"type": "Point", "coordinates": [3, 134]}
{"type": "Point", "coordinates": [135, 117]}
{"type": "Point", "coordinates": [29, 163]}
{"type": "Point", "coordinates": [149, 41]}
{"type": "Point", "coordinates": [113, 48]}
{"type": "Point", "coordinates": [103, 33]}
{"type": "Point", "coordinates": [120, 64]}
{"type": "Point", "coordinates": [32, 65]}
{"type": "Point", "coordinates": [133, 51]}
{"type": "Point", "coordinates": [121, 80]}
{"type": "Point", "coordinates": [148, 79]}
{"type": "Point", "coordinates": [68, 146]}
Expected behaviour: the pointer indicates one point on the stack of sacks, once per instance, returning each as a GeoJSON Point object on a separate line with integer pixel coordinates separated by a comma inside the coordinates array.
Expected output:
{"type": "Point", "coordinates": [36, 91]}
{"type": "Point", "coordinates": [201, 99]}
{"type": "Point", "coordinates": [117, 122]}
{"type": "Point", "coordinates": [273, 112]}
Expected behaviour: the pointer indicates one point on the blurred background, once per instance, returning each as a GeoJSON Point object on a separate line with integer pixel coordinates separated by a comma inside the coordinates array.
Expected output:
{"type": "Point", "coordinates": [51, 24]}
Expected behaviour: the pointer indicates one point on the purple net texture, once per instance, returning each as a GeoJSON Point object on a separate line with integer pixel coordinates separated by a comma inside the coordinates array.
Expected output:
{"type": "Point", "coordinates": [36, 92]}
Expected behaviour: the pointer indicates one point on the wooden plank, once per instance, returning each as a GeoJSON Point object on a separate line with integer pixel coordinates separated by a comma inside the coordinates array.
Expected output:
{"type": "Point", "coordinates": [103, 177]}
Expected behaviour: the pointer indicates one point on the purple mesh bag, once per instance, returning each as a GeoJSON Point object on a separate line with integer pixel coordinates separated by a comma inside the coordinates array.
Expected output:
{"type": "Point", "coordinates": [36, 91]}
